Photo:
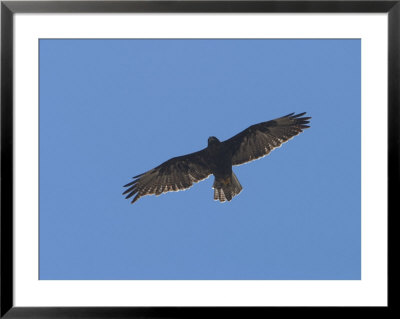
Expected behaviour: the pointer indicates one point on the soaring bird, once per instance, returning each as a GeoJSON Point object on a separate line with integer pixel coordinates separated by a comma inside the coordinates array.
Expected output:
{"type": "Point", "coordinates": [217, 158]}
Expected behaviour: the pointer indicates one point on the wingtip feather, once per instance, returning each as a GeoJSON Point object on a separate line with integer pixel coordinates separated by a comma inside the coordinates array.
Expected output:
{"type": "Point", "coordinates": [135, 199]}
{"type": "Point", "coordinates": [299, 115]}
{"type": "Point", "coordinates": [129, 184]}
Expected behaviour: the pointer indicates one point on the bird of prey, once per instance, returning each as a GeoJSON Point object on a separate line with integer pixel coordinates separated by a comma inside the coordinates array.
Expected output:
{"type": "Point", "coordinates": [217, 158]}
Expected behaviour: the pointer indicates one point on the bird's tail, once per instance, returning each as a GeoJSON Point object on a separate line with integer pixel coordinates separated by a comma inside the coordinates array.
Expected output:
{"type": "Point", "coordinates": [226, 189]}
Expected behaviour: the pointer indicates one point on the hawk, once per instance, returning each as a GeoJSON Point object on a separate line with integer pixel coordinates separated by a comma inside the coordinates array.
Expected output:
{"type": "Point", "coordinates": [217, 158]}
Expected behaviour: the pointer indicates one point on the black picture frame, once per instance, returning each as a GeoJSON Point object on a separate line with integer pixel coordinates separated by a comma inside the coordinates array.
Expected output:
{"type": "Point", "coordinates": [9, 8]}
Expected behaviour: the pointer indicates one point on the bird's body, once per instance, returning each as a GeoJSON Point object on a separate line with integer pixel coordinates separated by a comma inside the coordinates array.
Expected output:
{"type": "Point", "coordinates": [217, 159]}
{"type": "Point", "coordinates": [226, 184]}
{"type": "Point", "coordinates": [220, 158]}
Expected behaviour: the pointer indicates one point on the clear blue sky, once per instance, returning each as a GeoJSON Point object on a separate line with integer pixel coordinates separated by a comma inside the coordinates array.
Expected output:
{"type": "Point", "coordinates": [112, 109]}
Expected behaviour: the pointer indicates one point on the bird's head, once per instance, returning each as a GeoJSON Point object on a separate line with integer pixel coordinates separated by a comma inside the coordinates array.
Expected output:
{"type": "Point", "coordinates": [212, 140]}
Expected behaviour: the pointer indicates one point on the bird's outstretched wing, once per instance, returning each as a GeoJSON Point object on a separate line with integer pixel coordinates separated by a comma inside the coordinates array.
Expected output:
{"type": "Point", "coordinates": [260, 139]}
{"type": "Point", "coordinates": [176, 174]}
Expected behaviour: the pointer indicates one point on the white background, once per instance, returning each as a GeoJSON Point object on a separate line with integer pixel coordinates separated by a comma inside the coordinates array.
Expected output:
{"type": "Point", "coordinates": [371, 290]}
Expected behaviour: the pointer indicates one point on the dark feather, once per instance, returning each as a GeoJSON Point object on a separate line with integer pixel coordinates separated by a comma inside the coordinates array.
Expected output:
{"type": "Point", "coordinates": [260, 139]}
{"type": "Point", "coordinates": [178, 173]}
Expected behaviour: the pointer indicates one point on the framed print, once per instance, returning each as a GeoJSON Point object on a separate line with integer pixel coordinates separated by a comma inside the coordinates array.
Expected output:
{"type": "Point", "coordinates": [105, 104]}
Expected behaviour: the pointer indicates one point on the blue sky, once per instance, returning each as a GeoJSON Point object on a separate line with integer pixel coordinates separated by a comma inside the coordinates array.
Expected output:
{"type": "Point", "coordinates": [112, 109]}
